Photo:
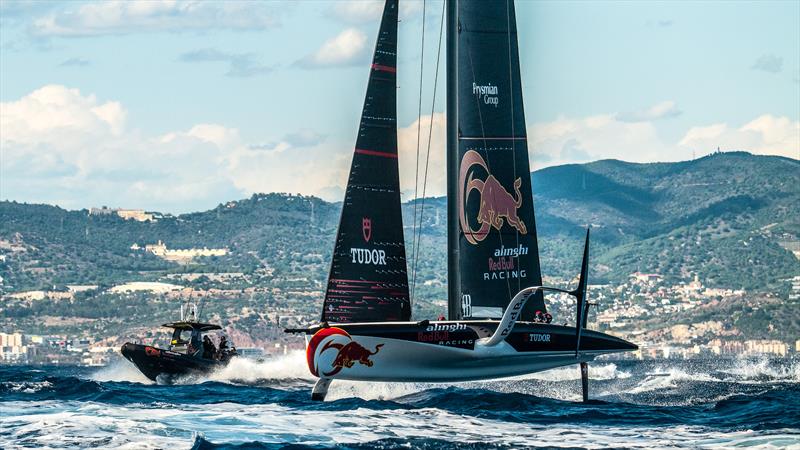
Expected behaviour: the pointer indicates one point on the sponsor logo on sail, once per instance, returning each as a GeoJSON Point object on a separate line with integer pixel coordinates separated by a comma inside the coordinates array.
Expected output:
{"type": "Point", "coordinates": [366, 228]}
{"type": "Point", "coordinates": [368, 256]}
{"type": "Point", "coordinates": [332, 349]}
{"type": "Point", "coordinates": [486, 93]}
{"type": "Point", "coordinates": [497, 205]}
{"type": "Point", "coordinates": [512, 251]}
{"type": "Point", "coordinates": [503, 265]}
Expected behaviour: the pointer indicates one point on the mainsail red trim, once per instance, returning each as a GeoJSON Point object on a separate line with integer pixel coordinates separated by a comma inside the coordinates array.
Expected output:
{"type": "Point", "coordinates": [376, 153]}
{"type": "Point", "coordinates": [384, 68]}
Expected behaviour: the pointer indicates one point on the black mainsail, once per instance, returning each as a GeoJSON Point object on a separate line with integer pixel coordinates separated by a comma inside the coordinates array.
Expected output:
{"type": "Point", "coordinates": [368, 281]}
{"type": "Point", "coordinates": [493, 251]}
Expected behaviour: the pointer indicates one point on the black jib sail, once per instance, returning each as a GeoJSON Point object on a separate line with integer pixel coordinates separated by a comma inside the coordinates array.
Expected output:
{"type": "Point", "coordinates": [493, 251]}
{"type": "Point", "coordinates": [368, 280]}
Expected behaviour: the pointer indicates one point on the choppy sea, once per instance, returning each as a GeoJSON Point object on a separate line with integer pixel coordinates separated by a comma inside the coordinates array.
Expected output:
{"type": "Point", "coordinates": [725, 403]}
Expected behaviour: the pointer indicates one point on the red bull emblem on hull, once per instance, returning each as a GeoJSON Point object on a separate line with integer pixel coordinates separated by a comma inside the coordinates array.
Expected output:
{"type": "Point", "coordinates": [332, 349]}
{"type": "Point", "coordinates": [497, 205]}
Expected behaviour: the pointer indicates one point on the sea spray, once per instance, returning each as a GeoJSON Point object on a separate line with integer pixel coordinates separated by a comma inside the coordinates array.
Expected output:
{"type": "Point", "coordinates": [374, 390]}
{"type": "Point", "coordinates": [762, 369]}
{"type": "Point", "coordinates": [291, 366]}
{"type": "Point", "coordinates": [120, 369]}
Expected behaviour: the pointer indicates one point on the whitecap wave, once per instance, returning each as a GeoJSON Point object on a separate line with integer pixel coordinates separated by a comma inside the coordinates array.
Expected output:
{"type": "Point", "coordinates": [667, 378]}
{"type": "Point", "coordinates": [608, 371]}
{"type": "Point", "coordinates": [27, 387]}
{"type": "Point", "coordinates": [763, 369]}
{"type": "Point", "coordinates": [88, 424]}
{"type": "Point", "coordinates": [373, 390]}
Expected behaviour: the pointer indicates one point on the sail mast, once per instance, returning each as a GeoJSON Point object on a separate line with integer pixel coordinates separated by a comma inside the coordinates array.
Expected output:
{"type": "Point", "coordinates": [453, 278]}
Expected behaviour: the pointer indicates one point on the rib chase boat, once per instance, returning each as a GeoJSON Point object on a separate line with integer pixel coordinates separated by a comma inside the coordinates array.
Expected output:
{"type": "Point", "coordinates": [186, 354]}
{"type": "Point", "coordinates": [497, 324]}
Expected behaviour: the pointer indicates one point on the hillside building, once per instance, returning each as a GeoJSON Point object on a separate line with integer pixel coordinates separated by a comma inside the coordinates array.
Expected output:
{"type": "Point", "coordinates": [182, 255]}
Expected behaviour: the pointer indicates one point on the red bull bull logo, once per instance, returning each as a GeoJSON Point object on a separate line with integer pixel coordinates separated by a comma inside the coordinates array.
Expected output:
{"type": "Point", "coordinates": [497, 205]}
{"type": "Point", "coordinates": [332, 349]}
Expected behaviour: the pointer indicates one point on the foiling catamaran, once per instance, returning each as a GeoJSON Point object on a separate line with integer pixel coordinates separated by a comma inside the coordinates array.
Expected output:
{"type": "Point", "coordinates": [497, 324]}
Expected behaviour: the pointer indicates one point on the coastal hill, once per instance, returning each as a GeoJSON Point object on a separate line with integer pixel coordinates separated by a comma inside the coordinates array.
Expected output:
{"type": "Point", "coordinates": [730, 218]}
{"type": "Point", "coordinates": [687, 257]}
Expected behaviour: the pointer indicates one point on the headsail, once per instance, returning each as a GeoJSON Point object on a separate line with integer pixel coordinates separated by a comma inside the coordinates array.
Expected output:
{"type": "Point", "coordinates": [368, 280]}
{"type": "Point", "coordinates": [493, 250]}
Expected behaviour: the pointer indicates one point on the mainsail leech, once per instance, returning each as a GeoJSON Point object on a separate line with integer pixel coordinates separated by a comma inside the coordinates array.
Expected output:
{"type": "Point", "coordinates": [368, 281]}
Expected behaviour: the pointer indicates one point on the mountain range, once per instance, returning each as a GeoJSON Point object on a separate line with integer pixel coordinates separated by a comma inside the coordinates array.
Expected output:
{"type": "Point", "coordinates": [730, 218]}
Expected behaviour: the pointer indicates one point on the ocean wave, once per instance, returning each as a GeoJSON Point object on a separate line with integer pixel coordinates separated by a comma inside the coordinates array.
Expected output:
{"type": "Point", "coordinates": [762, 369]}
{"type": "Point", "coordinates": [25, 387]}
{"type": "Point", "coordinates": [634, 404]}
{"type": "Point", "coordinates": [362, 424]}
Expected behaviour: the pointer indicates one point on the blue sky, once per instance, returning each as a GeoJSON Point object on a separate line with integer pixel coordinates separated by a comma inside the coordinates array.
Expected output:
{"type": "Point", "coordinates": [177, 106]}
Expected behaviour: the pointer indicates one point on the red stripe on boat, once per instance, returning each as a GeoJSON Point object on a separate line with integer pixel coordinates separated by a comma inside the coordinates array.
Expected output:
{"type": "Point", "coordinates": [384, 68]}
{"type": "Point", "coordinates": [375, 153]}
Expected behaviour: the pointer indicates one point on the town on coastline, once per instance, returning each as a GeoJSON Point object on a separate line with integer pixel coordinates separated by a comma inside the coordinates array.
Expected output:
{"type": "Point", "coordinates": [76, 285]}
{"type": "Point", "coordinates": [636, 310]}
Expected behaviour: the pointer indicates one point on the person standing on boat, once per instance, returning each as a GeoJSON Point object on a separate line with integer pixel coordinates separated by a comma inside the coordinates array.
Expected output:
{"type": "Point", "coordinates": [223, 346]}
{"type": "Point", "coordinates": [208, 348]}
{"type": "Point", "coordinates": [195, 347]}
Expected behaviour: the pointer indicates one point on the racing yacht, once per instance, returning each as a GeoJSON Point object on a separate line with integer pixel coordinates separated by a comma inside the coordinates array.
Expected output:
{"type": "Point", "coordinates": [497, 324]}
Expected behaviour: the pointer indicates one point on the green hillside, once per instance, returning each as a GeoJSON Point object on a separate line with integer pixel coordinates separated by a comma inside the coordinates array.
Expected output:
{"type": "Point", "coordinates": [723, 217]}
{"type": "Point", "coordinates": [726, 217]}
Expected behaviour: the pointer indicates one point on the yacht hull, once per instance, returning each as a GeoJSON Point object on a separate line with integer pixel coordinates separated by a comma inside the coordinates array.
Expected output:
{"type": "Point", "coordinates": [448, 351]}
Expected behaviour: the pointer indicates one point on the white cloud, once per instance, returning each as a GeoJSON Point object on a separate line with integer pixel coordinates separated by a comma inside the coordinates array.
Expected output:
{"type": "Point", "coordinates": [768, 63]}
{"type": "Point", "coordinates": [567, 140]}
{"type": "Point", "coordinates": [370, 11]}
{"type": "Point", "coordinates": [664, 110]}
{"type": "Point", "coordinates": [57, 108]}
{"type": "Point", "coordinates": [239, 64]}
{"type": "Point", "coordinates": [764, 135]}
{"type": "Point", "coordinates": [59, 145]}
{"type": "Point", "coordinates": [75, 62]}
{"type": "Point", "coordinates": [346, 48]}
{"type": "Point", "coordinates": [358, 11]}
{"type": "Point", "coordinates": [124, 17]}
{"type": "Point", "coordinates": [407, 149]}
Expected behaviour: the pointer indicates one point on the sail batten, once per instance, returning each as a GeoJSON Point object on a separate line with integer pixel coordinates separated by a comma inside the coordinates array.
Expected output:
{"type": "Point", "coordinates": [492, 231]}
{"type": "Point", "coordinates": [368, 281]}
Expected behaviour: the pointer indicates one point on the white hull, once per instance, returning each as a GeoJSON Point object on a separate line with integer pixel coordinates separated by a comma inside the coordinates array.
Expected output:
{"type": "Point", "coordinates": [404, 361]}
